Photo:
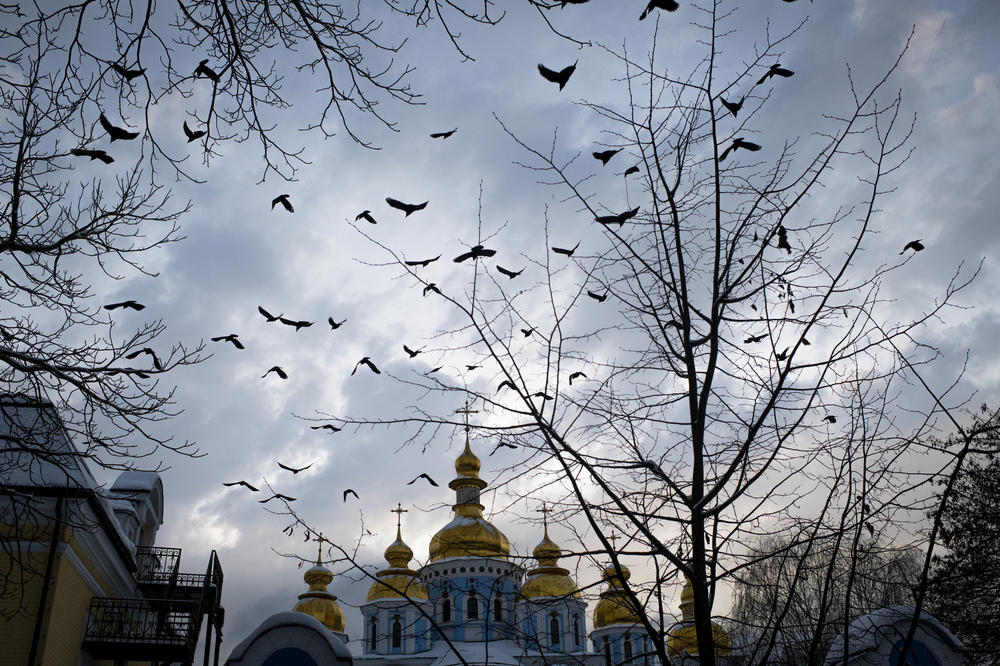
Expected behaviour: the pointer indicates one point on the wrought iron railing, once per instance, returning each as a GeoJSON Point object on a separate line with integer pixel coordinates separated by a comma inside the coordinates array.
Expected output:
{"type": "Point", "coordinates": [143, 626]}
{"type": "Point", "coordinates": [158, 566]}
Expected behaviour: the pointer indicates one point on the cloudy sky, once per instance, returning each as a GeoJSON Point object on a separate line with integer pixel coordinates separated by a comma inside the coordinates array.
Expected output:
{"type": "Point", "coordinates": [312, 264]}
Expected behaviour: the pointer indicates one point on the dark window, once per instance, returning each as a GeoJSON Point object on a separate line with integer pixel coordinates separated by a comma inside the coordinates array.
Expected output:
{"type": "Point", "coordinates": [576, 630]}
{"type": "Point", "coordinates": [446, 610]}
{"type": "Point", "coordinates": [372, 635]}
{"type": "Point", "coordinates": [497, 609]}
{"type": "Point", "coordinates": [397, 634]}
{"type": "Point", "coordinates": [554, 630]}
{"type": "Point", "coordinates": [472, 609]}
{"type": "Point", "coordinates": [628, 647]}
{"type": "Point", "coordinates": [607, 652]}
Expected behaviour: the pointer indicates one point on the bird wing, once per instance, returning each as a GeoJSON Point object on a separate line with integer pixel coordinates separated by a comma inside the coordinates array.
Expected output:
{"type": "Point", "coordinates": [462, 257]}
{"type": "Point", "coordinates": [548, 74]}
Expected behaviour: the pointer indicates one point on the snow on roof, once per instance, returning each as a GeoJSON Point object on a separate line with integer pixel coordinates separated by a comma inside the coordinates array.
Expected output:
{"type": "Point", "coordinates": [292, 619]}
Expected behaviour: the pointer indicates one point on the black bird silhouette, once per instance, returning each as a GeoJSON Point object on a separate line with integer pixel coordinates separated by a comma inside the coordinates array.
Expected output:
{"type": "Point", "coordinates": [116, 133]}
{"type": "Point", "coordinates": [149, 352]}
{"type": "Point", "coordinates": [620, 219]}
{"type": "Point", "coordinates": [632, 169]}
{"type": "Point", "coordinates": [242, 483]}
{"type": "Point", "coordinates": [509, 384]}
{"type": "Point", "coordinates": [193, 135]}
{"type": "Point", "coordinates": [297, 324]}
{"type": "Point", "coordinates": [914, 245]}
{"type": "Point", "coordinates": [295, 470]}
{"type": "Point", "coordinates": [600, 298]}
{"type": "Point", "coordinates": [204, 70]}
{"type": "Point", "coordinates": [350, 491]}
{"type": "Point", "coordinates": [431, 287]}
{"type": "Point", "coordinates": [503, 444]}
{"type": "Point", "coordinates": [775, 70]}
{"type": "Point", "coordinates": [475, 253]}
{"type": "Point", "coordinates": [366, 361]}
{"type": "Point", "coordinates": [405, 207]}
{"type": "Point", "coordinates": [527, 332]}
{"type": "Point", "coordinates": [754, 338]}
{"type": "Point", "coordinates": [576, 375]}
{"type": "Point", "coordinates": [472, 367]}
{"type": "Point", "coordinates": [433, 370]}
{"type": "Point", "coordinates": [424, 476]}
{"type": "Point", "coordinates": [277, 370]}
{"type": "Point", "coordinates": [267, 315]}
{"type": "Point", "coordinates": [870, 528]}
{"type": "Point", "coordinates": [412, 353]}
{"type": "Point", "coordinates": [734, 107]}
{"type": "Point", "coordinates": [125, 304]}
{"type": "Point", "coordinates": [542, 395]}
{"type": "Point", "coordinates": [278, 496]}
{"type": "Point", "coordinates": [668, 5]}
{"type": "Point", "coordinates": [422, 263]}
{"type": "Point", "coordinates": [782, 356]}
{"type": "Point", "coordinates": [508, 273]}
{"type": "Point", "coordinates": [127, 74]}
{"type": "Point", "coordinates": [738, 142]}
{"type": "Point", "coordinates": [568, 252]}
{"type": "Point", "coordinates": [830, 418]}
{"type": "Point", "coordinates": [335, 325]}
{"type": "Point", "coordinates": [327, 426]}
{"type": "Point", "coordinates": [805, 341]}
{"type": "Point", "coordinates": [92, 154]}
{"type": "Point", "coordinates": [232, 337]}
{"type": "Point", "coordinates": [443, 135]}
{"type": "Point", "coordinates": [606, 155]}
{"type": "Point", "coordinates": [561, 77]}
{"type": "Point", "coordinates": [365, 215]}
{"type": "Point", "coordinates": [783, 240]}
{"type": "Point", "coordinates": [283, 200]}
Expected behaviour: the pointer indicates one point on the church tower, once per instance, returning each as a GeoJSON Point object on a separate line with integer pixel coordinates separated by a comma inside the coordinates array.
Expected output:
{"type": "Point", "coordinates": [619, 634]}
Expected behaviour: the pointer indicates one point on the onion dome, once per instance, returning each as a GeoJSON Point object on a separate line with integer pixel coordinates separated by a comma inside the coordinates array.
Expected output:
{"type": "Point", "coordinates": [398, 581]}
{"type": "Point", "coordinates": [615, 606]}
{"type": "Point", "coordinates": [317, 601]}
{"type": "Point", "coordinates": [548, 579]}
{"type": "Point", "coordinates": [468, 534]}
{"type": "Point", "coordinates": [683, 636]}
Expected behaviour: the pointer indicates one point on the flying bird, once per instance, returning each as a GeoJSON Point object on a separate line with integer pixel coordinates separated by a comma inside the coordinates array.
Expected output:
{"type": "Point", "coordinates": [267, 315]}
{"type": "Point", "coordinates": [561, 77]}
{"type": "Point", "coordinates": [277, 370]}
{"type": "Point", "coordinates": [668, 5]}
{"type": "Point", "coordinates": [422, 263]}
{"type": "Point", "coordinates": [125, 304]}
{"type": "Point", "coordinates": [295, 470]}
{"type": "Point", "coordinates": [775, 70]}
{"type": "Point", "coordinates": [127, 74]}
{"type": "Point", "coordinates": [405, 207]}
{"type": "Point", "coordinates": [606, 155]}
{"type": "Point", "coordinates": [527, 332]}
{"type": "Point", "coordinates": [366, 361]}
{"type": "Point", "coordinates": [783, 240]}
{"type": "Point", "coordinates": [335, 325]}
{"type": "Point", "coordinates": [193, 135]}
{"type": "Point", "coordinates": [738, 142]}
{"type": "Point", "coordinates": [443, 135]}
{"type": "Point", "coordinates": [204, 70]}
{"type": "Point", "coordinates": [914, 245]}
{"type": "Point", "coordinates": [297, 324]}
{"type": "Point", "coordinates": [509, 384]}
{"type": "Point", "coordinates": [782, 356]}
{"type": "Point", "coordinates": [620, 219]}
{"type": "Point", "coordinates": [562, 250]}
{"type": "Point", "coordinates": [283, 200]}
{"type": "Point", "coordinates": [509, 273]}
{"type": "Point", "coordinates": [433, 370]}
{"type": "Point", "coordinates": [326, 426]}
{"type": "Point", "coordinates": [600, 298]}
{"type": "Point", "coordinates": [734, 107]}
{"type": "Point", "coordinates": [576, 375]}
{"type": "Point", "coordinates": [278, 496]}
{"type": "Point", "coordinates": [503, 444]}
{"type": "Point", "coordinates": [424, 476]}
{"type": "Point", "coordinates": [350, 491]}
{"type": "Point", "coordinates": [93, 155]}
{"type": "Point", "coordinates": [412, 353]}
{"type": "Point", "coordinates": [475, 253]}
{"type": "Point", "coordinates": [431, 287]}
{"type": "Point", "coordinates": [754, 338]}
{"type": "Point", "coordinates": [632, 169]}
{"type": "Point", "coordinates": [232, 337]}
{"type": "Point", "coordinates": [149, 352]}
{"type": "Point", "coordinates": [830, 418]}
{"type": "Point", "coordinates": [116, 133]}
{"type": "Point", "coordinates": [365, 215]}
{"type": "Point", "coordinates": [542, 395]}
{"type": "Point", "coordinates": [242, 483]}
{"type": "Point", "coordinates": [472, 367]}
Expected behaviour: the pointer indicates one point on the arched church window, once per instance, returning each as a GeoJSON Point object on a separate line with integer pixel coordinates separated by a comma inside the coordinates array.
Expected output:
{"type": "Point", "coordinates": [497, 609]}
{"type": "Point", "coordinates": [472, 608]}
{"type": "Point", "coordinates": [397, 633]}
{"type": "Point", "coordinates": [628, 647]}
{"type": "Point", "coordinates": [554, 630]}
{"type": "Point", "coordinates": [446, 610]}
{"type": "Point", "coordinates": [576, 630]}
{"type": "Point", "coordinates": [372, 634]}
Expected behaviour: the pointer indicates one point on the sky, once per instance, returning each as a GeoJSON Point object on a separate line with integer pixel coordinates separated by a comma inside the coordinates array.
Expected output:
{"type": "Point", "coordinates": [239, 254]}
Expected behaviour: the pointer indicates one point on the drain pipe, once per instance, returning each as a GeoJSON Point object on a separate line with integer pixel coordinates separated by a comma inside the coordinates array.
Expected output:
{"type": "Point", "coordinates": [56, 529]}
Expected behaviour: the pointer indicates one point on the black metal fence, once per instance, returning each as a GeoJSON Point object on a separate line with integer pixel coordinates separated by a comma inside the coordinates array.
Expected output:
{"type": "Point", "coordinates": [137, 627]}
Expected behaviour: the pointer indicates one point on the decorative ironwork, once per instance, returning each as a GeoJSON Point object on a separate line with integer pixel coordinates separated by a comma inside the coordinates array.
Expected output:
{"type": "Point", "coordinates": [140, 628]}
{"type": "Point", "coordinates": [157, 566]}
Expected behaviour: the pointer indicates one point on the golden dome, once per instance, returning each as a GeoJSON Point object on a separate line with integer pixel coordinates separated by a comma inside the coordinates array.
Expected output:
{"type": "Point", "coordinates": [398, 581]}
{"type": "Point", "coordinates": [318, 602]}
{"type": "Point", "coordinates": [548, 580]}
{"type": "Point", "coordinates": [683, 636]}
{"type": "Point", "coordinates": [615, 607]}
{"type": "Point", "coordinates": [468, 534]}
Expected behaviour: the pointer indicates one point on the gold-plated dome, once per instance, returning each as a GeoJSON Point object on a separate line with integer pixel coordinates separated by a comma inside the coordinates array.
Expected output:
{"type": "Point", "coordinates": [317, 601]}
{"type": "Point", "coordinates": [683, 636]}
{"type": "Point", "coordinates": [468, 534]}
{"type": "Point", "coordinates": [398, 581]}
{"type": "Point", "coordinates": [549, 579]}
{"type": "Point", "coordinates": [615, 606]}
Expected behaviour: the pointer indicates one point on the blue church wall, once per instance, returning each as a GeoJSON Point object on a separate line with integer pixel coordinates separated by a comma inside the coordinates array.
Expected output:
{"type": "Point", "coordinates": [485, 588]}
